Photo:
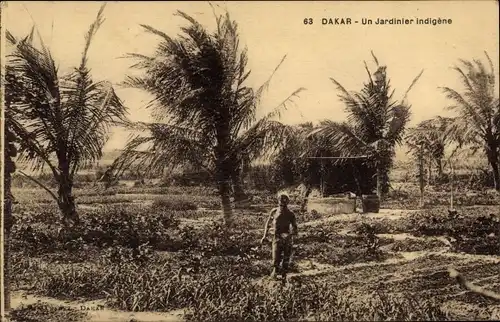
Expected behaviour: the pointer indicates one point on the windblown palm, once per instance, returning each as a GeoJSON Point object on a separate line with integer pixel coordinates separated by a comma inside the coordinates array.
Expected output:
{"type": "Point", "coordinates": [478, 123]}
{"type": "Point", "coordinates": [59, 122]}
{"type": "Point", "coordinates": [375, 123]}
{"type": "Point", "coordinates": [205, 114]}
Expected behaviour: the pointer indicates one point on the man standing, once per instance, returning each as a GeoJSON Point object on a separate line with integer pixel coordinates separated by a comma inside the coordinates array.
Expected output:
{"type": "Point", "coordinates": [283, 218]}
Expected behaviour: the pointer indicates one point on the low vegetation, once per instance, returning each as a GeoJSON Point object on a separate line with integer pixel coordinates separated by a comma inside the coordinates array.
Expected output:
{"type": "Point", "coordinates": [171, 255]}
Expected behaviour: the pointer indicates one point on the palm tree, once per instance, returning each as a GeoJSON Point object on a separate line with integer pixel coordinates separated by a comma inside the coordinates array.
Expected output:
{"type": "Point", "coordinates": [204, 113]}
{"type": "Point", "coordinates": [375, 123]}
{"type": "Point", "coordinates": [59, 122]}
{"type": "Point", "coordinates": [478, 123]}
{"type": "Point", "coordinates": [432, 136]}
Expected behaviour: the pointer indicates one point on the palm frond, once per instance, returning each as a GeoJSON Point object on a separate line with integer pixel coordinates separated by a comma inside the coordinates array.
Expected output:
{"type": "Point", "coordinates": [342, 137]}
{"type": "Point", "coordinates": [162, 146]}
{"type": "Point", "coordinates": [397, 125]}
{"type": "Point", "coordinates": [467, 110]}
{"type": "Point", "coordinates": [264, 87]}
{"type": "Point", "coordinates": [156, 32]}
{"type": "Point", "coordinates": [262, 140]}
{"type": "Point", "coordinates": [374, 58]}
{"type": "Point", "coordinates": [415, 80]}
{"type": "Point", "coordinates": [278, 110]}
{"type": "Point", "coordinates": [94, 27]}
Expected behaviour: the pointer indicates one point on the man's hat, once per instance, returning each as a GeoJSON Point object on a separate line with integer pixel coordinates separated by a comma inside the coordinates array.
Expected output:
{"type": "Point", "coordinates": [283, 195]}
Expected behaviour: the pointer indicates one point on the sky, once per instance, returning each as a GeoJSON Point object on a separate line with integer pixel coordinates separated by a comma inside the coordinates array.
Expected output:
{"type": "Point", "coordinates": [314, 53]}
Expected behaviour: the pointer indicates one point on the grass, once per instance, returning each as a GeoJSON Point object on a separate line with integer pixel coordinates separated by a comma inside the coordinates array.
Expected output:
{"type": "Point", "coordinates": [246, 301]}
{"type": "Point", "coordinates": [41, 312]}
{"type": "Point", "coordinates": [146, 248]}
{"type": "Point", "coordinates": [173, 204]}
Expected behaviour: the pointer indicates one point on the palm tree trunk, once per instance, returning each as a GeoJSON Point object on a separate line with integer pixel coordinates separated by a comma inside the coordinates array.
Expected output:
{"type": "Point", "coordinates": [224, 165]}
{"type": "Point", "coordinates": [223, 183]}
{"type": "Point", "coordinates": [6, 245]}
{"type": "Point", "coordinates": [380, 179]}
{"type": "Point", "coordinates": [429, 170]}
{"type": "Point", "coordinates": [303, 206]}
{"type": "Point", "coordinates": [421, 178]}
{"type": "Point", "coordinates": [66, 201]}
{"type": "Point", "coordinates": [239, 193]}
{"type": "Point", "coordinates": [9, 168]}
{"type": "Point", "coordinates": [439, 167]}
{"type": "Point", "coordinates": [493, 160]}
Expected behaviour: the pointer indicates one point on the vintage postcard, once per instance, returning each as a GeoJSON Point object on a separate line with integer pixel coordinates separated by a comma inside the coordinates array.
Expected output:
{"type": "Point", "coordinates": [250, 160]}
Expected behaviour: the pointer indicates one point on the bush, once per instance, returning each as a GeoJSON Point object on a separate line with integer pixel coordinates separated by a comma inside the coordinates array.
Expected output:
{"type": "Point", "coordinates": [104, 227]}
{"type": "Point", "coordinates": [371, 243]}
{"type": "Point", "coordinates": [214, 240]}
{"type": "Point", "coordinates": [120, 255]}
{"type": "Point", "coordinates": [189, 178]}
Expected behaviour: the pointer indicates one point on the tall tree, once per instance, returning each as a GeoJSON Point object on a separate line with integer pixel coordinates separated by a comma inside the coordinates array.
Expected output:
{"type": "Point", "coordinates": [375, 123]}
{"type": "Point", "coordinates": [60, 122]}
{"type": "Point", "coordinates": [478, 108]}
{"type": "Point", "coordinates": [204, 112]}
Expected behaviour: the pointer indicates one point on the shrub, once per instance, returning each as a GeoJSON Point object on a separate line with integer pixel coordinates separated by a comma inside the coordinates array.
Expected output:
{"type": "Point", "coordinates": [214, 240]}
{"type": "Point", "coordinates": [104, 227]}
{"type": "Point", "coordinates": [371, 243]}
{"type": "Point", "coordinates": [119, 255]}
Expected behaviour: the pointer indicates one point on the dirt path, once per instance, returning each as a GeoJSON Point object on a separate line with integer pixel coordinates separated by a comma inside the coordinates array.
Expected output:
{"type": "Point", "coordinates": [392, 214]}
{"type": "Point", "coordinates": [404, 258]}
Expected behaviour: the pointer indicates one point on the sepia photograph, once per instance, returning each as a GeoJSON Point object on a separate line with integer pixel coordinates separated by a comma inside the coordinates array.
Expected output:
{"type": "Point", "coordinates": [250, 160]}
